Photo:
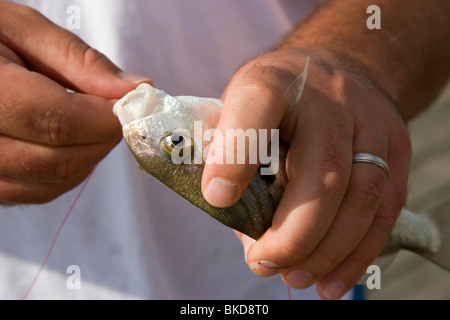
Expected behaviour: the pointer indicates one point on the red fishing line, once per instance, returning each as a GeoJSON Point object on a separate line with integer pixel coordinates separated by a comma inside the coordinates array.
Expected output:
{"type": "Point", "coordinates": [55, 238]}
{"type": "Point", "coordinates": [61, 226]}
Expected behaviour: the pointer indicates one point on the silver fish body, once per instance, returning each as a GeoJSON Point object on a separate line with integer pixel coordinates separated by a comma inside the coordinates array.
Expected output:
{"type": "Point", "coordinates": [252, 214]}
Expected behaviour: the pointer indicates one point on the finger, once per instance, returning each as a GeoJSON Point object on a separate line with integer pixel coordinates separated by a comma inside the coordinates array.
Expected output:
{"type": "Point", "coordinates": [343, 278]}
{"type": "Point", "coordinates": [257, 90]}
{"type": "Point", "coordinates": [28, 161]}
{"type": "Point", "coordinates": [10, 55]}
{"type": "Point", "coordinates": [318, 166]}
{"type": "Point", "coordinates": [61, 55]}
{"type": "Point", "coordinates": [352, 221]}
{"type": "Point", "coordinates": [362, 200]}
{"type": "Point", "coordinates": [355, 216]}
{"type": "Point", "coordinates": [55, 118]}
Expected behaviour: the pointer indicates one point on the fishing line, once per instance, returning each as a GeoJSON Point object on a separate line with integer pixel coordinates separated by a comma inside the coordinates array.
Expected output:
{"type": "Point", "coordinates": [55, 238]}
{"type": "Point", "coordinates": [58, 232]}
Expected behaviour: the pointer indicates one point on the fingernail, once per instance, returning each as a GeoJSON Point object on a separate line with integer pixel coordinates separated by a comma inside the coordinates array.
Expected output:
{"type": "Point", "coordinates": [335, 290]}
{"type": "Point", "coordinates": [134, 78]}
{"type": "Point", "coordinates": [299, 279]}
{"type": "Point", "coordinates": [220, 193]}
{"type": "Point", "coordinates": [265, 268]}
{"type": "Point", "coordinates": [269, 264]}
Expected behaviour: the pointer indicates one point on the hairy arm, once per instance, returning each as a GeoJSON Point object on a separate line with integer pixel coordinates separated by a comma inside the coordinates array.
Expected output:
{"type": "Point", "coordinates": [408, 58]}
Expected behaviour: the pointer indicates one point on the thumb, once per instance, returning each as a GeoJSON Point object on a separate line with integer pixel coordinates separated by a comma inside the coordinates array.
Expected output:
{"type": "Point", "coordinates": [61, 55]}
{"type": "Point", "coordinates": [254, 100]}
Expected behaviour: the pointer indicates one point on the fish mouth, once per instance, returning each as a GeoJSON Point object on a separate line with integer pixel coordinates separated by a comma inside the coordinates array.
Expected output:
{"type": "Point", "coordinates": [138, 104]}
{"type": "Point", "coordinates": [136, 138]}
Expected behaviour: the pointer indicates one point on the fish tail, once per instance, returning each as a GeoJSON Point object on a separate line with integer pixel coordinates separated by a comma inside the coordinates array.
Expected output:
{"type": "Point", "coordinates": [417, 232]}
{"type": "Point", "coordinates": [440, 217]}
{"type": "Point", "coordinates": [425, 234]}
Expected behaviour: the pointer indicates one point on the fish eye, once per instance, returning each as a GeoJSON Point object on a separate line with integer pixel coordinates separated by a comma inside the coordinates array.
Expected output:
{"type": "Point", "coordinates": [176, 142]}
{"type": "Point", "coordinates": [143, 137]}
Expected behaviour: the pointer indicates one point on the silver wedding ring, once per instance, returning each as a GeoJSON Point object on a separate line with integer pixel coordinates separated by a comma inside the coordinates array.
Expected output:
{"type": "Point", "coordinates": [373, 159]}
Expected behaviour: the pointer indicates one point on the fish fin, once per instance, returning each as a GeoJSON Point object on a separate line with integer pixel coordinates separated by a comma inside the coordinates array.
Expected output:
{"type": "Point", "coordinates": [441, 217]}
{"type": "Point", "coordinates": [414, 232]}
{"type": "Point", "coordinates": [295, 90]}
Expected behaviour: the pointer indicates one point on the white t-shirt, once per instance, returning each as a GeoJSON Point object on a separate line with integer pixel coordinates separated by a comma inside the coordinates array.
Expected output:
{"type": "Point", "coordinates": [129, 236]}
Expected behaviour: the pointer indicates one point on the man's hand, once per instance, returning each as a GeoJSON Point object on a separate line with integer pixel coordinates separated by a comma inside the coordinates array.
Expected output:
{"type": "Point", "coordinates": [50, 139]}
{"type": "Point", "coordinates": [334, 216]}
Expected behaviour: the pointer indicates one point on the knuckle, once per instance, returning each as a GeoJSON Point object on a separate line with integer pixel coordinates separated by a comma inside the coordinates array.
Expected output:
{"type": "Point", "coordinates": [333, 168]}
{"type": "Point", "coordinates": [54, 127]}
{"type": "Point", "coordinates": [84, 55]}
{"type": "Point", "coordinates": [259, 91]}
{"type": "Point", "coordinates": [265, 81]}
{"type": "Point", "coordinates": [80, 54]}
{"type": "Point", "coordinates": [368, 193]}
{"type": "Point", "coordinates": [333, 177]}
{"type": "Point", "coordinates": [91, 56]}
{"type": "Point", "coordinates": [262, 71]}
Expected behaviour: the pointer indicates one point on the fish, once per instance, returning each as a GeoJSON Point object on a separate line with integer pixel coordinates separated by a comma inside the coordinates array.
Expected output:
{"type": "Point", "coordinates": [150, 139]}
{"type": "Point", "coordinates": [156, 126]}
